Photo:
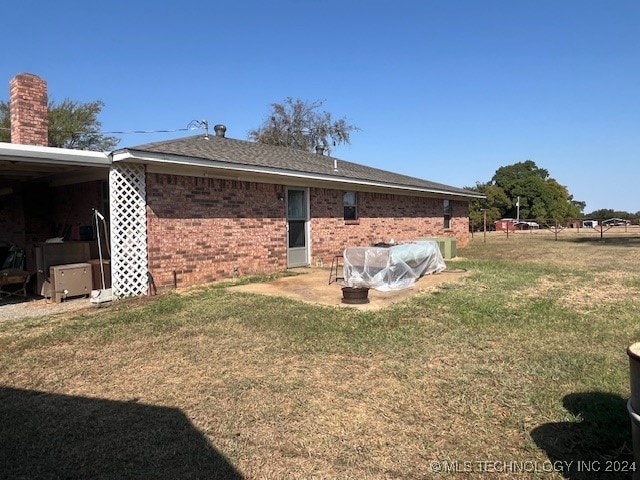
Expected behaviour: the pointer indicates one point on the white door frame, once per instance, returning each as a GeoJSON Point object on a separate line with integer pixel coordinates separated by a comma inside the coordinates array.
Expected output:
{"type": "Point", "coordinates": [296, 257]}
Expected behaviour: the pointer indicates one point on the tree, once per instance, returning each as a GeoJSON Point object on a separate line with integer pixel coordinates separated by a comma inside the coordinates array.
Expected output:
{"type": "Point", "coordinates": [298, 124]}
{"type": "Point", "coordinates": [524, 180]}
{"type": "Point", "coordinates": [5, 122]}
{"type": "Point", "coordinates": [494, 204]}
{"type": "Point", "coordinates": [71, 125]}
{"type": "Point", "coordinates": [541, 197]}
{"type": "Point", "coordinates": [580, 205]}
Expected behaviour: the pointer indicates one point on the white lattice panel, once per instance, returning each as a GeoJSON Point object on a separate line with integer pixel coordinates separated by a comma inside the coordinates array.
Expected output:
{"type": "Point", "coordinates": [127, 193]}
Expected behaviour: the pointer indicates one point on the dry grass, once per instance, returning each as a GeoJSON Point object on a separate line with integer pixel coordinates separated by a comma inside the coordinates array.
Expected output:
{"type": "Point", "coordinates": [524, 362]}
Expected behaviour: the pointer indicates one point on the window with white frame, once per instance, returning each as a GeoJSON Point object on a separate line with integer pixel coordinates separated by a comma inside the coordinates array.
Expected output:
{"type": "Point", "coordinates": [350, 202]}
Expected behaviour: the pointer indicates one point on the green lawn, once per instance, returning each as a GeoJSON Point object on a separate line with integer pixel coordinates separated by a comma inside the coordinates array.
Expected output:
{"type": "Point", "coordinates": [516, 372]}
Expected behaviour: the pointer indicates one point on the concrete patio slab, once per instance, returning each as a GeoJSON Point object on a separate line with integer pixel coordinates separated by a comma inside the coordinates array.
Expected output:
{"type": "Point", "coordinates": [311, 285]}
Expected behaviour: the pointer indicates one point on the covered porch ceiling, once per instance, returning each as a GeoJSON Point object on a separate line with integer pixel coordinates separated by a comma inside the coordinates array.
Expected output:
{"type": "Point", "coordinates": [55, 166]}
{"type": "Point", "coordinates": [12, 171]}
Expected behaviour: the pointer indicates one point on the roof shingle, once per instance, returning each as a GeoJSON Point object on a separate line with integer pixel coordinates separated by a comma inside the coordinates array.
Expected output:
{"type": "Point", "coordinates": [252, 154]}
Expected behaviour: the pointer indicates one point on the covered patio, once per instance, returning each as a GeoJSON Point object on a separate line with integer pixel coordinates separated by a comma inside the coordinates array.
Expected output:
{"type": "Point", "coordinates": [45, 194]}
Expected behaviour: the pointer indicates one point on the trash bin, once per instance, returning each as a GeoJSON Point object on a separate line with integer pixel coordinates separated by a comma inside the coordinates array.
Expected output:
{"type": "Point", "coordinates": [633, 406]}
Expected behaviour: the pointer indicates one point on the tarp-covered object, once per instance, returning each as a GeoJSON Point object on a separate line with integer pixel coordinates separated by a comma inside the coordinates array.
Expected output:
{"type": "Point", "coordinates": [392, 268]}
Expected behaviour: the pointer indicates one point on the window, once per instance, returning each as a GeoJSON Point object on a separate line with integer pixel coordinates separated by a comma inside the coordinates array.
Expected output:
{"type": "Point", "coordinates": [296, 205]}
{"type": "Point", "coordinates": [447, 214]}
{"type": "Point", "coordinates": [350, 201]}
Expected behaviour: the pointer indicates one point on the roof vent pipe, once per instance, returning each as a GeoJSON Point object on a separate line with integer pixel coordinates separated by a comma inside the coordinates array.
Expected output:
{"type": "Point", "coordinates": [220, 130]}
{"type": "Point", "coordinates": [319, 149]}
{"type": "Point", "coordinates": [335, 165]}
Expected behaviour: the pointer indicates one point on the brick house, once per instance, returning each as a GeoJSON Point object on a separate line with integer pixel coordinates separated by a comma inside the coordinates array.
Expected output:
{"type": "Point", "coordinates": [206, 207]}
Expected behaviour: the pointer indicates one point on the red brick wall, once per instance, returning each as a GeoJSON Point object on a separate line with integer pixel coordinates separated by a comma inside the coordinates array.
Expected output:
{"type": "Point", "coordinates": [203, 228]}
{"type": "Point", "coordinates": [12, 228]}
{"type": "Point", "coordinates": [28, 104]}
{"type": "Point", "coordinates": [74, 204]}
{"type": "Point", "coordinates": [38, 212]}
{"type": "Point", "coordinates": [382, 217]}
{"type": "Point", "coordinates": [460, 223]}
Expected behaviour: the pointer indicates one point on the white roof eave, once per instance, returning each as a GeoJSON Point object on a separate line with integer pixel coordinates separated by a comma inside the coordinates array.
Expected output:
{"type": "Point", "coordinates": [52, 155]}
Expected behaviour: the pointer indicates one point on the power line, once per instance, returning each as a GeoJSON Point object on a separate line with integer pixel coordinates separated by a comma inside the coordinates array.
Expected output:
{"type": "Point", "coordinates": [129, 132]}
{"type": "Point", "coordinates": [193, 125]}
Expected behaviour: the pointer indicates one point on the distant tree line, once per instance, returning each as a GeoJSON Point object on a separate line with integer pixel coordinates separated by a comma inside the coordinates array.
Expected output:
{"type": "Point", "coordinates": [607, 213]}
{"type": "Point", "coordinates": [541, 199]}
{"type": "Point", "coordinates": [526, 189]}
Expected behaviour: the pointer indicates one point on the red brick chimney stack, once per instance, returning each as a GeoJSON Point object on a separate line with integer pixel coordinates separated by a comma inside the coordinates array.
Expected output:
{"type": "Point", "coordinates": [28, 104]}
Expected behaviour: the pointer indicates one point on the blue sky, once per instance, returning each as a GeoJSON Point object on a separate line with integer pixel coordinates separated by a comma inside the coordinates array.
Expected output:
{"type": "Point", "coordinates": [447, 90]}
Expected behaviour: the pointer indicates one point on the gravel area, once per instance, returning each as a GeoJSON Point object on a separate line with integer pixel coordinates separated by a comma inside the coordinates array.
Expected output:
{"type": "Point", "coordinates": [13, 308]}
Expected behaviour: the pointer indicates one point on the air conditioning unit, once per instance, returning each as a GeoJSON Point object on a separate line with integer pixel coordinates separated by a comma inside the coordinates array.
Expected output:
{"type": "Point", "coordinates": [72, 280]}
{"type": "Point", "coordinates": [448, 246]}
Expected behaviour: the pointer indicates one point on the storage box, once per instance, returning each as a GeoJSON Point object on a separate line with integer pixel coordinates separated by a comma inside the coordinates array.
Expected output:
{"type": "Point", "coordinates": [50, 254]}
{"type": "Point", "coordinates": [70, 280]}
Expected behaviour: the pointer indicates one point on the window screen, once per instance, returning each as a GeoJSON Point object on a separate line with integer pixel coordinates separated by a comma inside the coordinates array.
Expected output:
{"type": "Point", "coordinates": [447, 214]}
{"type": "Point", "coordinates": [350, 201]}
